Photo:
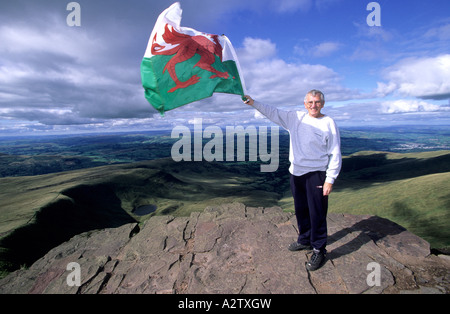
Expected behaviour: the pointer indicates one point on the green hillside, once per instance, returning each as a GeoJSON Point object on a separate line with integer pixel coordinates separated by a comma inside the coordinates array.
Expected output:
{"type": "Point", "coordinates": [422, 205]}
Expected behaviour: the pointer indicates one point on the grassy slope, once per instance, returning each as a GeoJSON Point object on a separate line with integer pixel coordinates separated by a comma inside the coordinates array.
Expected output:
{"type": "Point", "coordinates": [422, 205]}
{"type": "Point", "coordinates": [176, 188]}
{"type": "Point", "coordinates": [22, 197]}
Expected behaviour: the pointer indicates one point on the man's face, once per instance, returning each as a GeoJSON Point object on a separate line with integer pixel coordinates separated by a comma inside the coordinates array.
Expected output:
{"type": "Point", "coordinates": [314, 105]}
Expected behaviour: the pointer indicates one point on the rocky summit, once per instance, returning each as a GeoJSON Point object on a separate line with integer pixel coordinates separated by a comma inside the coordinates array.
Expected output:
{"type": "Point", "coordinates": [235, 249]}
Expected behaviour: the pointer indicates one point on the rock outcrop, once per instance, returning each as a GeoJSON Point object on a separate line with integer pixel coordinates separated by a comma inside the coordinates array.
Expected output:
{"type": "Point", "coordinates": [236, 249]}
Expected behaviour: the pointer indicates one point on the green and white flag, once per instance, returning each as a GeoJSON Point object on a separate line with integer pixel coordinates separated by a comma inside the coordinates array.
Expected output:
{"type": "Point", "coordinates": [182, 65]}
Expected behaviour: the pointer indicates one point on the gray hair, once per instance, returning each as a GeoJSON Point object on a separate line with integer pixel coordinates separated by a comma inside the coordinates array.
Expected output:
{"type": "Point", "coordinates": [314, 93]}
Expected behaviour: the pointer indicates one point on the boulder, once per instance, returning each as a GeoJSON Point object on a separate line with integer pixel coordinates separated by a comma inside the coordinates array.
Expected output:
{"type": "Point", "coordinates": [235, 249]}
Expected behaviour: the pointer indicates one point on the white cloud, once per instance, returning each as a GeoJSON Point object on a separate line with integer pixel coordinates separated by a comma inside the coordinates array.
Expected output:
{"type": "Point", "coordinates": [279, 82]}
{"type": "Point", "coordinates": [441, 33]}
{"type": "Point", "coordinates": [324, 49]}
{"type": "Point", "coordinates": [26, 38]}
{"type": "Point", "coordinates": [394, 112]}
{"type": "Point", "coordinates": [372, 42]}
{"type": "Point", "coordinates": [255, 49]}
{"type": "Point", "coordinates": [62, 68]}
{"type": "Point", "coordinates": [409, 106]}
{"type": "Point", "coordinates": [419, 77]}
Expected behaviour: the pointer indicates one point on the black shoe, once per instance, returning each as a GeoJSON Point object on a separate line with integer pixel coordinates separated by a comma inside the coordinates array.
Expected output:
{"type": "Point", "coordinates": [298, 247]}
{"type": "Point", "coordinates": [316, 261]}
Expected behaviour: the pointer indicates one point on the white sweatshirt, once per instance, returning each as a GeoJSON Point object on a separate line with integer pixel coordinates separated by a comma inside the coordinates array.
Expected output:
{"type": "Point", "coordinates": [315, 143]}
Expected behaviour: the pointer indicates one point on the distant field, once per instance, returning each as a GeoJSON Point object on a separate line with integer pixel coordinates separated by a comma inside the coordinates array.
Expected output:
{"type": "Point", "coordinates": [24, 156]}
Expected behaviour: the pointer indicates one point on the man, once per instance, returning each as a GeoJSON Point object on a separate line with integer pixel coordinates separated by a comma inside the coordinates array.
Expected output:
{"type": "Point", "coordinates": [316, 160]}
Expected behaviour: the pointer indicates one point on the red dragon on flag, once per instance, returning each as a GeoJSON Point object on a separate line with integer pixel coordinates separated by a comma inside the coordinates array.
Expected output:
{"type": "Point", "coordinates": [182, 65]}
{"type": "Point", "coordinates": [185, 48]}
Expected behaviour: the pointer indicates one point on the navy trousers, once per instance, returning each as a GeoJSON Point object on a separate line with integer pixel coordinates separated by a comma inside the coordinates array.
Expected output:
{"type": "Point", "coordinates": [311, 208]}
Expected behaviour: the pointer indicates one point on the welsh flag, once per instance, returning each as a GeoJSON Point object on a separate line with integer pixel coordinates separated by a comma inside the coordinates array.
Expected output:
{"type": "Point", "coordinates": [182, 65]}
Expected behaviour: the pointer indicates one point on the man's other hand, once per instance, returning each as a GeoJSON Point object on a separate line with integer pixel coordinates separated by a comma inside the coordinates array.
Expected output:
{"type": "Point", "coordinates": [327, 188]}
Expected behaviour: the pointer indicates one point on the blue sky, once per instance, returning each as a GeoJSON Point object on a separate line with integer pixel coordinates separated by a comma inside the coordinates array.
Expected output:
{"type": "Point", "coordinates": [60, 79]}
